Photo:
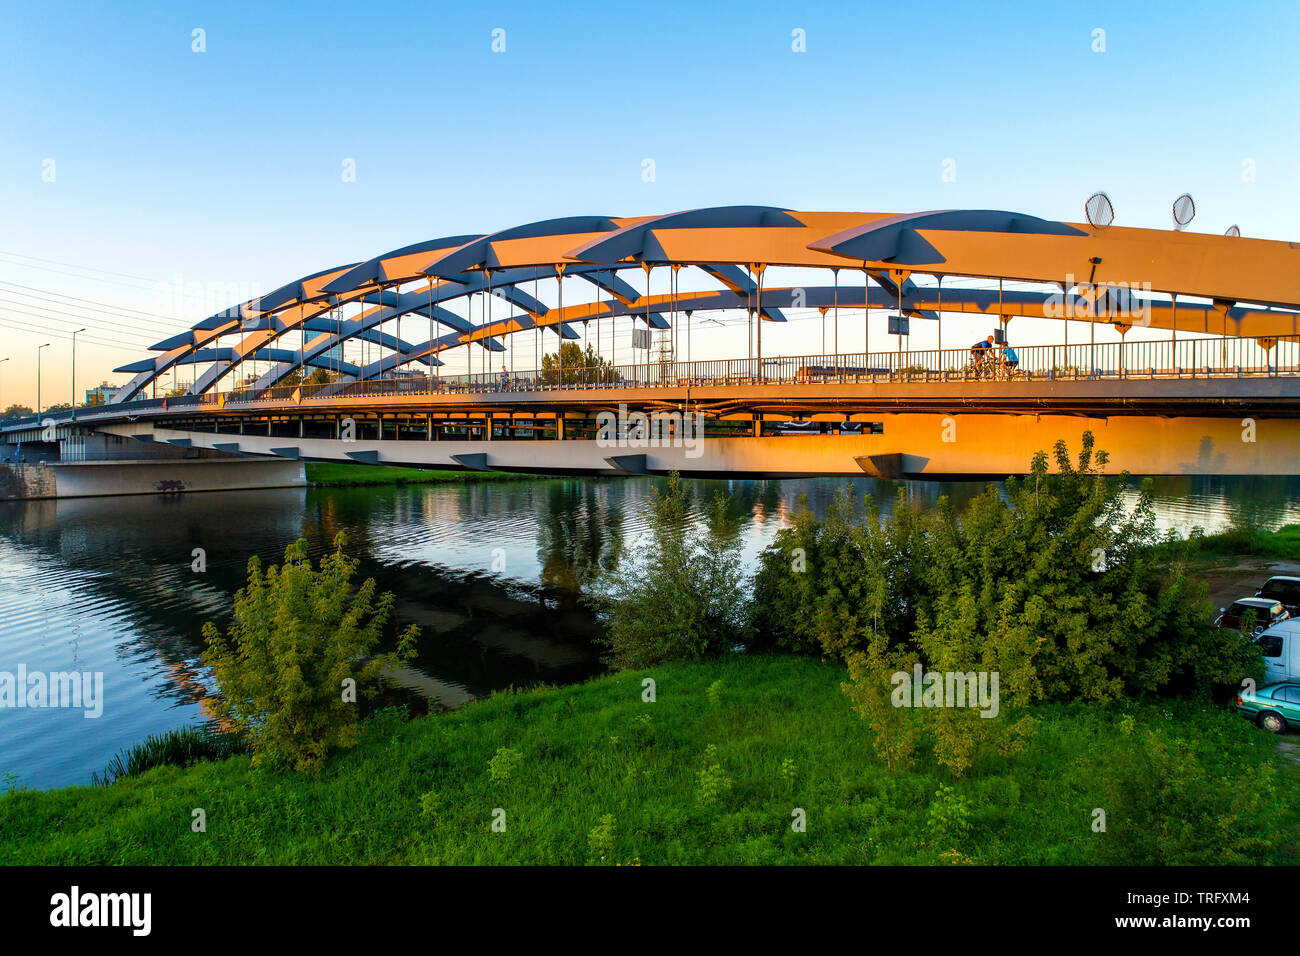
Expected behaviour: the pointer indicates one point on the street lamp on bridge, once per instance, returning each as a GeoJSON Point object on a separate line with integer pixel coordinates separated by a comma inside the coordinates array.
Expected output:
{"type": "Point", "coordinates": [38, 377]}
{"type": "Point", "coordinates": [2, 360]}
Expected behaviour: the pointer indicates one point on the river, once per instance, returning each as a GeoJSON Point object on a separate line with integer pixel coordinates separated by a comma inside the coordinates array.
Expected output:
{"type": "Point", "coordinates": [489, 571]}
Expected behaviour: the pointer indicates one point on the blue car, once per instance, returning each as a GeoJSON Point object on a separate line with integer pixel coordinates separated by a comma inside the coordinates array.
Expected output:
{"type": "Point", "coordinates": [1275, 707]}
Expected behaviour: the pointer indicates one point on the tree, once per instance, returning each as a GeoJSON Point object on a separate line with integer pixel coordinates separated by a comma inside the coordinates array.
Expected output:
{"type": "Point", "coordinates": [1055, 580]}
{"type": "Point", "coordinates": [15, 412]}
{"type": "Point", "coordinates": [681, 598]}
{"type": "Point", "coordinates": [572, 366]}
{"type": "Point", "coordinates": [832, 586]}
{"type": "Point", "coordinates": [300, 648]}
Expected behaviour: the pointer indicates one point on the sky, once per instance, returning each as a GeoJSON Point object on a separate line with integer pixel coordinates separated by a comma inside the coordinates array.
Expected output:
{"type": "Point", "coordinates": [141, 180]}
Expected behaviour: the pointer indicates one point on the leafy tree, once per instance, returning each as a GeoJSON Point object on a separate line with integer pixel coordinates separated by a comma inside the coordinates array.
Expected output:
{"type": "Point", "coordinates": [15, 412]}
{"type": "Point", "coordinates": [573, 366]}
{"type": "Point", "coordinates": [1057, 580]}
{"type": "Point", "coordinates": [954, 644]}
{"type": "Point", "coordinates": [301, 639]}
{"type": "Point", "coordinates": [832, 586]}
{"type": "Point", "coordinates": [870, 687]}
{"type": "Point", "coordinates": [681, 596]}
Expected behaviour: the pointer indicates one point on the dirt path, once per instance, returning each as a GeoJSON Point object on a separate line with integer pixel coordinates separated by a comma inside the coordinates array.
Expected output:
{"type": "Point", "coordinates": [1231, 582]}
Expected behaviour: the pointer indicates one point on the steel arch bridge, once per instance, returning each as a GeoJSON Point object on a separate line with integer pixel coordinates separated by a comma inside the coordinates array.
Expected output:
{"type": "Point", "coordinates": [1181, 404]}
{"type": "Point", "coordinates": [1247, 288]}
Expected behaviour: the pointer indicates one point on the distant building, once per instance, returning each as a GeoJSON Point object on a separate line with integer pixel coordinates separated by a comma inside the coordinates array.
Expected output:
{"type": "Point", "coordinates": [101, 394]}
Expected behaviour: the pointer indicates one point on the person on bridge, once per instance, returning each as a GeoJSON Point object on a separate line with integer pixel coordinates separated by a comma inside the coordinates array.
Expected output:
{"type": "Point", "coordinates": [979, 354]}
{"type": "Point", "coordinates": [505, 378]}
{"type": "Point", "coordinates": [1008, 359]}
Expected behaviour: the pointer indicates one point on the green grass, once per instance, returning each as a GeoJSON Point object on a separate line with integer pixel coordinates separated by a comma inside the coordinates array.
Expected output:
{"type": "Point", "coordinates": [325, 474]}
{"type": "Point", "coordinates": [178, 748]}
{"type": "Point", "coordinates": [590, 771]}
{"type": "Point", "coordinates": [1282, 544]}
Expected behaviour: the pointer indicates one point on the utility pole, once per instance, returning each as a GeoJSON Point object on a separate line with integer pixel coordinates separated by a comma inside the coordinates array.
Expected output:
{"type": "Point", "coordinates": [38, 377]}
{"type": "Point", "coordinates": [74, 374]}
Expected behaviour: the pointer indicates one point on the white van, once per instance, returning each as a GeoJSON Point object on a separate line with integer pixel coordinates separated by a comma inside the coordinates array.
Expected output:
{"type": "Point", "coordinates": [1281, 644]}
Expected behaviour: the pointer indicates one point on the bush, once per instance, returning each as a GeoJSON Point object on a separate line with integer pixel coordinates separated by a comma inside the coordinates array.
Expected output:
{"type": "Point", "coordinates": [1053, 581]}
{"type": "Point", "coordinates": [681, 598]}
{"type": "Point", "coordinates": [300, 649]}
{"type": "Point", "coordinates": [832, 586]}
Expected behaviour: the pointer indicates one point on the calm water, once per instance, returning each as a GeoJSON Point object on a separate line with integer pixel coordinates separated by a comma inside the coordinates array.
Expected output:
{"type": "Point", "coordinates": [489, 572]}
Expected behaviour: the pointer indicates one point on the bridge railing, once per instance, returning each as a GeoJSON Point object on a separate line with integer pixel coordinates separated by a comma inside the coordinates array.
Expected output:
{"type": "Point", "coordinates": [1183, 358]}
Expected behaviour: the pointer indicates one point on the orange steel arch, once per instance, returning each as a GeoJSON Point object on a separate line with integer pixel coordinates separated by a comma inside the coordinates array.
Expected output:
{"type": "Point", "coordinates": [1247, 281]}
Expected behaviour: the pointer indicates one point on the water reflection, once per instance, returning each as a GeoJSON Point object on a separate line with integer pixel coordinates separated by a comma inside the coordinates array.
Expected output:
{"type": "Point", "coordinates": [490, 572]}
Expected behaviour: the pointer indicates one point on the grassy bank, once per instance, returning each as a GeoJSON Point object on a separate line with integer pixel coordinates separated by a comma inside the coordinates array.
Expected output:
{"type": "Point", "coordinates": [1280, 545]}
{"type": "Point", "coordinates": [323, 474]}
{"type": "Point", "coordinates": [592, 771]}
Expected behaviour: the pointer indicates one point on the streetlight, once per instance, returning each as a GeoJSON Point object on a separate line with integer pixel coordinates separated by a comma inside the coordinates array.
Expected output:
{"type": "Point", "coordinates": [38, 377]}
{"type": "Point", "coordinates": [5, 359]}
{"type": "Point", "coordinates": [74, 374]}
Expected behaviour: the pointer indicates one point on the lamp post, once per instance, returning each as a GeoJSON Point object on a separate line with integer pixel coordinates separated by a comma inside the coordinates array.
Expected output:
{"type": "Point", "coordinates": [38, 377]}
{"type": "Point", "coordinates": [74, 374]}
{"type": "Point", "coordinates": [2, 407]}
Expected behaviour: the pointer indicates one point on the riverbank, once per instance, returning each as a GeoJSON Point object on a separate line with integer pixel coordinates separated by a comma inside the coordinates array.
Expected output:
{"type": "Point", "coordinates": [1226, 547]}
{"type": "Point", "coordinates": [325, 474]}
{"type": "Point", "coordinates": [712, 771]}
{"type": "Point", "coordinates": [1234, 564]}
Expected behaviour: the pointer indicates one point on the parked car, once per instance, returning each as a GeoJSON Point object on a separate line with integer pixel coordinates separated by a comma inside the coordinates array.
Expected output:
{"type": "Point", "coordinates": [1284, 588]}
{"type": "Point", "coordinates": [1281, 646]}
{"type": "Point", "coordinates": [1267, 613]}
{"type": "Point", "coordinates": [1275, 707]}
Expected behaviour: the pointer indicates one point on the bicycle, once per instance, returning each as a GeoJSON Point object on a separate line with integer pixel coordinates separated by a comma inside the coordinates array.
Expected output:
{"type": "Point", "coordinates": [982, 366]}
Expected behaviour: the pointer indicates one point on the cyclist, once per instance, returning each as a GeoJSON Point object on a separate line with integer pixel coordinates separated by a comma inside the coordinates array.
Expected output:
{"type": "Point", "coordinates": [980, 353]}
{"type": "Point", "coordinates": [1008, 359]}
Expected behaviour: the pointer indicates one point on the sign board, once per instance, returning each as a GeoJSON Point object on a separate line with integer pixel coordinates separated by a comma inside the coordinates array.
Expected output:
{"type": "Point", "coordinates": [899, 325]}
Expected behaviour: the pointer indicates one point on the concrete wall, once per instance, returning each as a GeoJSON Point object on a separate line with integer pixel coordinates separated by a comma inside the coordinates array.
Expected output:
{"type": "Point", "coordinates": [26, 481]}
{"type": "Point", "coordinates": [924, 445]}
{"type": "Point", "coordinates": [94, 478]}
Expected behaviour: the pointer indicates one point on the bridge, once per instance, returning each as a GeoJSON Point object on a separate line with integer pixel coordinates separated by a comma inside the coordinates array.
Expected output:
{"type": "Point", "coordinates": [320, 368]}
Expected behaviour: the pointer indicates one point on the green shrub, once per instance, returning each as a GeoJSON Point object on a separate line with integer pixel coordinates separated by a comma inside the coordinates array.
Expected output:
{"type": "Point", "coordinates": [1055, 581]}
{"type": "Point", "coordinates": [503, 764]}
{"type": "Point", "coordinates": [681, 598]}
{"type": "Point", "coordinates": [712, 782]}
{"type": "Point", "coordinates": [600, 841]}
{"type": "Point", "coordinates": [299, 651]}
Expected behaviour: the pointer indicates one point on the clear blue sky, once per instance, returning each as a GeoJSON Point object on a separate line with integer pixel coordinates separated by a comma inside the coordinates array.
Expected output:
{"type": "Point", "coordinates": [224, 167]}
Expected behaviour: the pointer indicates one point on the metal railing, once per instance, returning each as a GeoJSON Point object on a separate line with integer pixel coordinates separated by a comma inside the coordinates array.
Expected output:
{"type": "Point", "coordinates": [1185, 358]}
{"type": "Point", "coordinates": [1110, 361]}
